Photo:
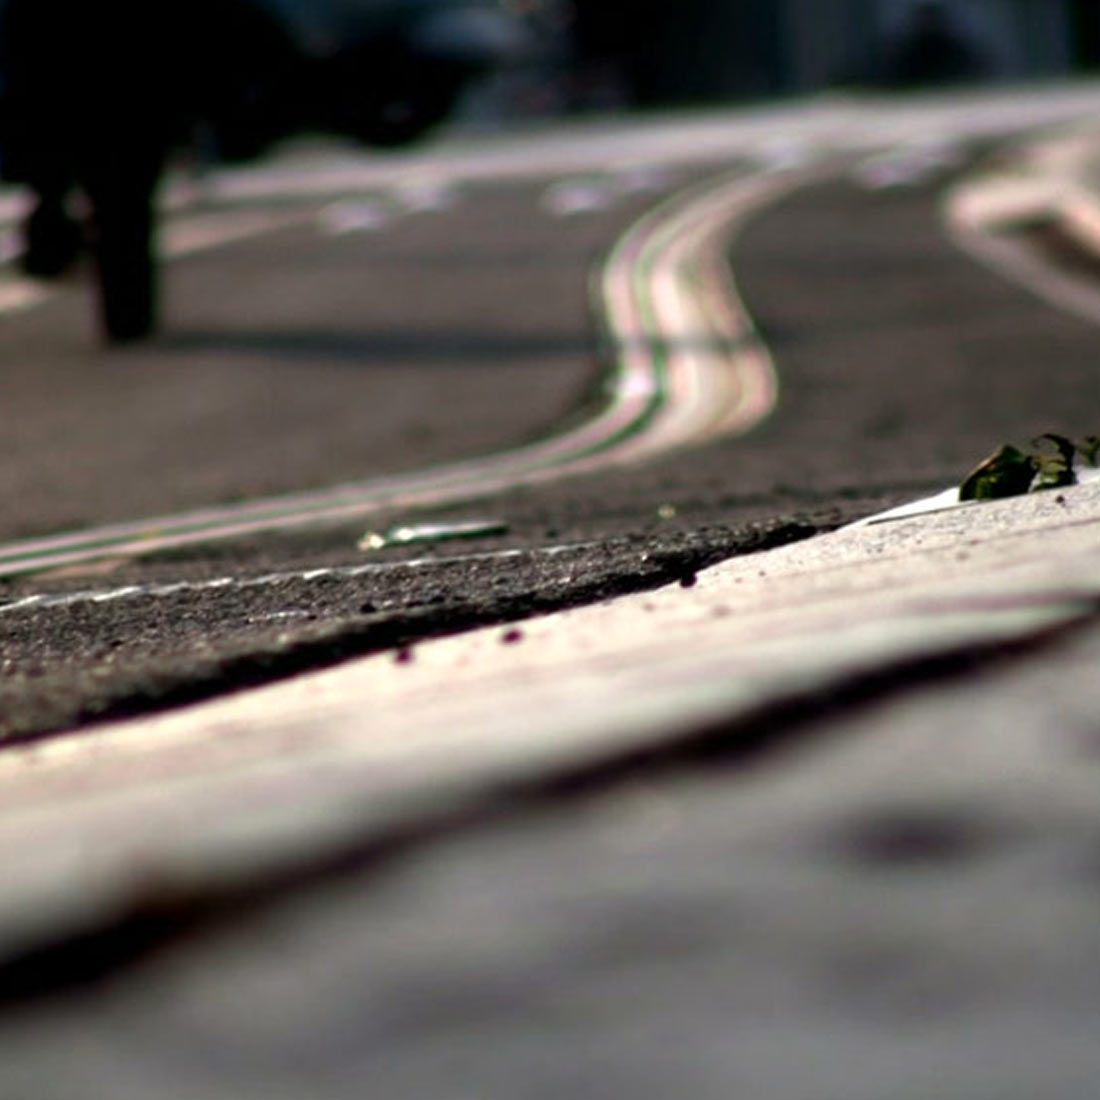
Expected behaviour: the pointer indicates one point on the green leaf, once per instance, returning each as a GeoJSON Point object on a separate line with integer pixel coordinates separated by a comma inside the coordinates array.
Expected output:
{"type": "Point", "coordinates": [1008, 472]}
{"type": "Point", "coordinates": [1088, 448]}
{"type": "Point", "coordinates": [1053, 461]}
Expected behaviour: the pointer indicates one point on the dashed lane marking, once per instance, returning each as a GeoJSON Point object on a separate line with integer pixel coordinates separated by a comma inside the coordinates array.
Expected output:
{"type": "Point", "coordinates": [44, 601]}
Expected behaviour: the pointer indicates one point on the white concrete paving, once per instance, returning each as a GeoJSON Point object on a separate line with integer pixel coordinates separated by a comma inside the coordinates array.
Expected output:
{"type": "Point", "coordinates": [267, 780]}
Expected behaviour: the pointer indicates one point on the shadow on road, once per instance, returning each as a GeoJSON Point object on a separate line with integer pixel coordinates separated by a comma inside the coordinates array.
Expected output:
{"type": "Point", "coordinates": [378, 347]}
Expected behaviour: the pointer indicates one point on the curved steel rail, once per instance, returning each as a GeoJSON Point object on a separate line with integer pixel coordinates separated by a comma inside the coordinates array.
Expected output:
{"type": "Point", "coordinates": [686, 365]}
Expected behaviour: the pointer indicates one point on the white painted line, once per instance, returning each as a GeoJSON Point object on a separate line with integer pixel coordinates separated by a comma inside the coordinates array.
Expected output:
{"type": "Point", "coordinates": [18, 294]}
{"type": "Point", "coordinates": [718, 373]}
{"type": "Point", "coordinates": [419, 196]}
{"type": "Point", "coordinates": [42, 601]}
{"type": "Point", "coordinates": [568, 198]}
{"type": "Point", "coordinates": [355, 216]}
{"type": "Point", "coordinates": [1020, 262]}
{"type": "Point", "coordinates": [200, 232]}
{"type": "Point", "coordinates": [1047, 182]}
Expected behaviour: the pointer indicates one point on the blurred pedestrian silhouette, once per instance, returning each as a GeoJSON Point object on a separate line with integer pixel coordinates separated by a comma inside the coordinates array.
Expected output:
{"type": "Point", "coordinates": [94, 95]}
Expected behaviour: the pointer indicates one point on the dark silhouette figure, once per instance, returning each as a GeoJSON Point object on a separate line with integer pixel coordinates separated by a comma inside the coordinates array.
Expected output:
{"type": "Point", "coordinates": [617, 49]}
{"type": "Point", "coordinates": [933, 51]}
{"type": "Point", "coordinates": [95, 94]}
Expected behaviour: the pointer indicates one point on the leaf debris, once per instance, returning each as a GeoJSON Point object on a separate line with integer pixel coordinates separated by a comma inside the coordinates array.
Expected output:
{"type": "Point", "coordinates": [1049, 463]}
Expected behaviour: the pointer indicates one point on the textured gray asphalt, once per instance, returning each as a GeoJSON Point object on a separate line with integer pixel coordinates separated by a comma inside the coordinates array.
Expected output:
{"type": "Point", "coordinates": [300, 359]}
{"type": "Point", "coordinates": [901, 363]}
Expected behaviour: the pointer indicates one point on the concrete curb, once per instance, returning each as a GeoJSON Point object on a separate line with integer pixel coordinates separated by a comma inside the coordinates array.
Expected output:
{"type": "Point", "coordinates": [252, 790]}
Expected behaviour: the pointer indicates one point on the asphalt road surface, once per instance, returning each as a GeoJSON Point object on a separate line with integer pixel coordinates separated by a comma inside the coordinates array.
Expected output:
{"type": "Point", "coordinates": [398, 328]}
{"type": "Point", "coordinates": [900, 909]}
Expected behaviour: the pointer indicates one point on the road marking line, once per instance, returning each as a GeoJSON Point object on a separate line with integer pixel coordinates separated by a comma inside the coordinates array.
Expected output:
{"type": "Point", "coordinates": [42, 601]}
{"type": "Point", "coordinates": [18, 294]}
{"type": "Point", "coordinates": [670, 369]}
{"type": "Point", "coordinates": [570, 197]}
{"type": "Point", "coordinates": [1019, 262]}
{"type": "Point", "coordinates": [355, 216]}
{"type": "Point", "coordinates": [199, 232]}
{"type": "Point", "coordinates": [1048, 184]}
{"type": "Point", "coordinates": [685, 309]}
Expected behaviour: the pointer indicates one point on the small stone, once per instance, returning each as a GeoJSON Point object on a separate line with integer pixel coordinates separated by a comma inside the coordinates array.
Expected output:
{"type": "Point", "coordinates": [372, 540]}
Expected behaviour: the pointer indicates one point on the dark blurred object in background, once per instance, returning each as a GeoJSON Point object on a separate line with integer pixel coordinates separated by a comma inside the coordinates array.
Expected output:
{"type": "Point", "coordinates": [612, 49]}
{"type": "Point", "coordinates": [94, 95]}
{"type": "Point", "coordinates": [933, 49]}
{"type": "Point", "coordinates": [650, 53]}
{"type": "Point", "coordinates": [1085, 32]}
